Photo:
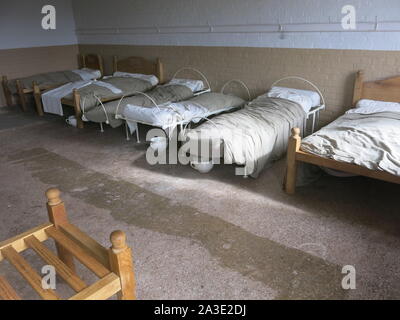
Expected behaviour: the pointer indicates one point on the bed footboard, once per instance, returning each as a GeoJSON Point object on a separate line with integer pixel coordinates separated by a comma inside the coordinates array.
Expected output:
{"type": "Point", "coordinates": [38, 99]}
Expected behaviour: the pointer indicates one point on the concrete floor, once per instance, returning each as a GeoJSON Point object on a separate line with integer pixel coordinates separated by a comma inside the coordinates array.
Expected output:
{"type": "Point", "coordinates": [213, 236]}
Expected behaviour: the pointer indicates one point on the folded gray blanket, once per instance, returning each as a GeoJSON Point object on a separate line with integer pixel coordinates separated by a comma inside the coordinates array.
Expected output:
{"type": "Point", "coordinates": [127, 86]}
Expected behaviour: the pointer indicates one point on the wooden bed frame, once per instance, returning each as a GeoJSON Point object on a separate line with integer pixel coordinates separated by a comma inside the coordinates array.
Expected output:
{"type": "Point", "coordinates": [130, 65]}
{"type": "Point", "coordinates": [113, 266]}
{"type": "Point", "coordinates": [383, 90]}
{"type": "Point", "coordinates": [92, 61]}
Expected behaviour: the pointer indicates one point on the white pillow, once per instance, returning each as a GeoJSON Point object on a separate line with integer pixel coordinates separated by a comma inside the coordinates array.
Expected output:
{"type": "Point", "coordinates": [146, 77]}
{"type": "Point", "coordinates": [194, 85]}
{"type": "Point", "coordinates": [366, 106]}
{"type": "Point", "coordinates": [306, 98]}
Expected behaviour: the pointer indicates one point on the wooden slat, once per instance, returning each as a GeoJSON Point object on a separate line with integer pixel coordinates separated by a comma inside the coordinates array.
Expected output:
{"type": "Point", "coordinates": [62, 269]}
{"type": "Point", "coordinates": [100, 290]}
{"type": "Point", "coordinates": [6, 291]}
{"type": "Point", "coordinates": [28, 273]}
{"type": "Point", "coordinates": [18, 242]}
{"type": "Point", "coordinates": [82, 255]}
{"type": "Point", "coordinates": [346, 167]}
{"type": "Point", "coordinates": [87, 242]}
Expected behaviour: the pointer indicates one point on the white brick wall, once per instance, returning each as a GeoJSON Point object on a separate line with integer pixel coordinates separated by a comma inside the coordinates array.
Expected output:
{"type": "Point", "coordinates": [138, 20]}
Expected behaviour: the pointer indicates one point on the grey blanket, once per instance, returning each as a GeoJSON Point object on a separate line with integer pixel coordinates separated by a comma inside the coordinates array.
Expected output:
{"type": "Point", "coordinates": [45, 79]}
{"type": "Point", "coordinates": [254, 136]}
{"type": "Point", "coordinates": [128, 86]}
{"type": "Point", "coordinates": [161, 94]}
{"type": "Point", "coordinates": [368, 140]}
{"type": "Point", "coordinates": [215, 101]}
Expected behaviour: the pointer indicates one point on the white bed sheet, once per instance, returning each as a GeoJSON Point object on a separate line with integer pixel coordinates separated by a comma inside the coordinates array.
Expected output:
{"type": "Point", "coordinates": [51, 99]}
{"type": "Point", "coordinates": [194, 85]}
{"type": "Point", "coordinates": [88, 74]}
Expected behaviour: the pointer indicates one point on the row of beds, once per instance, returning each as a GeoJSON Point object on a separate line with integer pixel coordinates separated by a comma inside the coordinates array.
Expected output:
{"type": "Point", "coordinates": [219, 127]}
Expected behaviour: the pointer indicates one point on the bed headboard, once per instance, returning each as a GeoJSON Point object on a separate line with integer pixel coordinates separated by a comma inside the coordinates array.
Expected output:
{"type": "Point", "coordinates": [92, 61]}
{"type": "Point", "coordinates": [139, 65]}
{"type": "Point", "coordinates": [382, 90]}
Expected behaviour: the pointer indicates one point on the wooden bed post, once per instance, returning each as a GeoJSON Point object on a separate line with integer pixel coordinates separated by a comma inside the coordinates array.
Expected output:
{"type": "Point", "coordinates": [121, 264]}
{"type": "Point", "coordinates": [291, 170]}
{"type": "Point", "coordinates": [101, 65]}
{"type": "Point", "coordinates": [58, 216]}
{"type": "Point", "coordinates": [358, 87]}
{"type": "Point", "coordinates": [38, 99]}
{"type": "Point", "coordinates": [21, 94]}
{"type": "Point", "coordinates": [160, 71]}
{"type": "Point", "coordinates": [77, 107]}
{"type": "Point", "coordinates": [83, 60]}
{"type": "Point", "coordinates": [6, 91]}
{"type": "Point", "coordinates": [115, 64]}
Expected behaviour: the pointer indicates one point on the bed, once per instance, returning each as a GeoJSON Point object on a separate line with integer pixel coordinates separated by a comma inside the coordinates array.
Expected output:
{"type": "Point", "coordinates": [113, 266]}
{"type": "Point", "coordinates": [364, 141]}
{"type": "Point", "coordinates": [170, 115]}
{"type": "Point", "coordinates": [91, 68]}
{"type": "Point", "coordinates": [131, 76]}
{"type": "Point", "coordinates": [255, 136]}
{"type": "Point", "coordinates": [177, 89]}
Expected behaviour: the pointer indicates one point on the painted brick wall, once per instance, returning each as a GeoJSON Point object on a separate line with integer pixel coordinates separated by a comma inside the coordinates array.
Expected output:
{"type": "Point", "coordinates": [184, 22]}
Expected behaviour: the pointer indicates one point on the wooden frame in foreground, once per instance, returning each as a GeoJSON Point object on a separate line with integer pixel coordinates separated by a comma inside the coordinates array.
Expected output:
{"type": "Point", "coordinates": [113, 267]}
{"type": "Point", "coordinates": [383, 90]}
{"type": "Point", "coordinates": [130, 65]}
{"type": "Point", "coordinates": [92, 61]}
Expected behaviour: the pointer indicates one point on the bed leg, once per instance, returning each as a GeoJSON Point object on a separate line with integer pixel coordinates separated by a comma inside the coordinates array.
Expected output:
{"type": "Point", "coordinates": [38, 99]}
{"type": "Point", "coordinates": [77, 107]}
{"type": "Point", "coordinates": [21, 96]}
{"type": "Point", "coordinates": [121, 263]}
{"type": "Point", "coordinates": [291, 170]}
{"type": "Point", "coordinates": [137, 134]}
{"type": "Point", "coordinates": [101, 127]}
{"type": "Point", "coordinates": [6, 91]}
{"type": "Point", "coordinates": [58, 216]}
{"type": "Point", "coordinates": [127, 132]}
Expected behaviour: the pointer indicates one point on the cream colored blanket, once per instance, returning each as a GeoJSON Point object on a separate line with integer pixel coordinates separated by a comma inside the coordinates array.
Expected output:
{"type": "Point", "coordinates": [368, 140]}
{"type": "Point", "coordinates": [254, 136]}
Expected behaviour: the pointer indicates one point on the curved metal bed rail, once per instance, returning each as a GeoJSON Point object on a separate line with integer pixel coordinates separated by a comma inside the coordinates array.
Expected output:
{"type": "Point", "coordinates": [305, 80]}
{"type": "Point", "coordinates": [196, 70]}
{"type": "Point", "coordinates": [238, 81]}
